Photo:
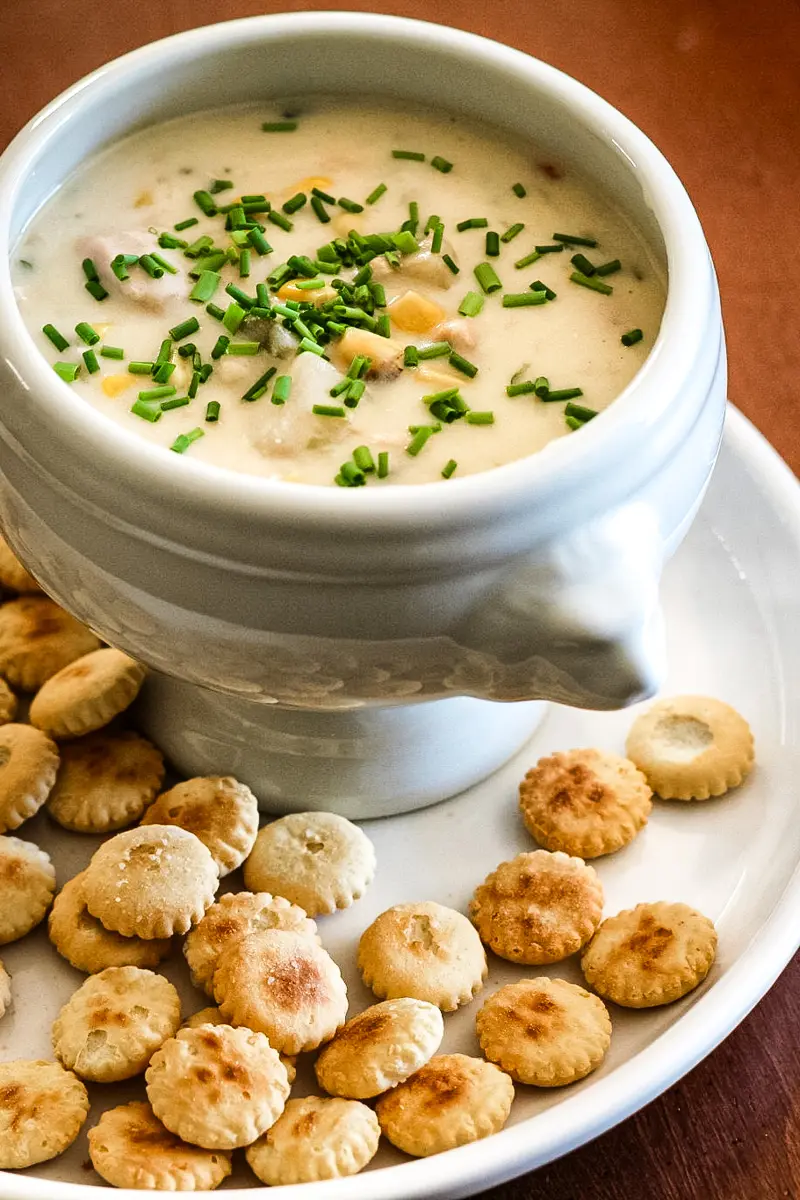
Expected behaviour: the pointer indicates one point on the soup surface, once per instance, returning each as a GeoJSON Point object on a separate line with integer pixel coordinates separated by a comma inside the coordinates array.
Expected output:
{"type": "Point", "coordinates": [335, 292]}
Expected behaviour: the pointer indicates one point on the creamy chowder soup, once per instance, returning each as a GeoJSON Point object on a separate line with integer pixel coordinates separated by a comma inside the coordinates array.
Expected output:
{"type": "Point", "coordinates": [338, 293]}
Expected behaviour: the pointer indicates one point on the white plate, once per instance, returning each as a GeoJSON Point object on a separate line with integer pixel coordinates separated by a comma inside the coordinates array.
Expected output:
{"type": "Point", "coordinates": [732, 599]}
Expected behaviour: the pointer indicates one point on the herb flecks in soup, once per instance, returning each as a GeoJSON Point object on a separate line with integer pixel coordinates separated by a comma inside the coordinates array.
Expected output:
{"type": "Point", "coordinates": [353, 296]}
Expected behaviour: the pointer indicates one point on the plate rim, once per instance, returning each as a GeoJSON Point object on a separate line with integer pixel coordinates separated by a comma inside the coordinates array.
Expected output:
{"type": "Point", "coordinates": [581, 1118]}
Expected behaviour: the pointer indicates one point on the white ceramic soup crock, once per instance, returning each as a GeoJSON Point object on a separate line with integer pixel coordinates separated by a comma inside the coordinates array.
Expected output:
{"type": "Point", "coordinates": [349, 649]}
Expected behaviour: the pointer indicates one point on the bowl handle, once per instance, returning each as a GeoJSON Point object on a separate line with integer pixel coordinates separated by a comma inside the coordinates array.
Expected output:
{"type": "Point", "coordinates": [579, 621]}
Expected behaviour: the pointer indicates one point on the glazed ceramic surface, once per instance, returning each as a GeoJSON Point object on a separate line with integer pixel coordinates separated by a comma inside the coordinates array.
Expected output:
{"type": "Point", "coordinates": [731, 608]}
{"type": "Point", "coordinates": [537, 580]}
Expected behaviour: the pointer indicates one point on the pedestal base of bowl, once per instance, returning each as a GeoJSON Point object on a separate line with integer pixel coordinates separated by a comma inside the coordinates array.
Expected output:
{"type": "Point", "coordinates": [362, 763]}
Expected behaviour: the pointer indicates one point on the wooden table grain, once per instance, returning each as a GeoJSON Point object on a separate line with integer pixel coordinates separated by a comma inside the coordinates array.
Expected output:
{"type": "Point", "coordinates": [716, 84]}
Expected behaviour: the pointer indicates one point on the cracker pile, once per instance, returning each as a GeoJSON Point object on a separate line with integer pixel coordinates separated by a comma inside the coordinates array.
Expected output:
{"type": "Point", "coordinates": [220, 1082]}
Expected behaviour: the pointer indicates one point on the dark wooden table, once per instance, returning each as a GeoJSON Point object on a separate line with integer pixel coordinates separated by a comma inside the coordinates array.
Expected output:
{"type": "Point", "coordinates": [716, 83]}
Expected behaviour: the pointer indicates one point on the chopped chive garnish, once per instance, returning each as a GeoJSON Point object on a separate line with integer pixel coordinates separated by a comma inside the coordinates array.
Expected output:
{"type": "Point", "coordinates": [58, 339]}
{"type": "Point", "coordinates": [309, 284]}
{"type": "Point", "coordinates": [405, 241]}
{"type": "Point", "coordinates": [194, 385]}
{"type": "Point", "coordinates": [205, 201]}
{"type": "Point", "coordinates": [220, 185]}
{"type": "Point", "coordinates": [525, 388]}
{"type": "Point", "coordinates": [140, 368]}
{"type": "Point", "coordinates": [608, 268]}
{"type": "Point", "coordinates": [437, 350]}
{"type": "Point", "coordinates": [279, 126]}
{"type": "Point", "coordinates": [206, 286]}
{"type": "Point", "coordinates": [480, 418]}
{"type": "Point", "coordinates": [295, 203]}
{"type": "Point", "coordinates": [90, 360]}
{"type": "Point", "coordinates": [590, 281]}
{"type": "Point", "coordinates": [459, 363]}
{"type": "Point", "coordinates": [212, 411]}
{"type": "Point", "coordinates": [259, 243]}
{"type": "Point", "coordinates": [200, 246]}
{"type": "Point", "coordinates": [433, 220]}
{"type": "Point", "coordinates": [383, 464]}
{"type": "Point", "coordinates": [580, 412]}
{"type": "Point", "coordinates": [541, 385]}
{"type": "Point", "coordinates": [527, 260]}
{"type": "Point", "coordinates": [351, 206]}
{"type": "Point", "coordinates": [472, 223]}
{"type": "Point", "coordinates": [421, 435]}
{"type": "Point", "coordinates": [96, 289]}
{"type": "Point", "coordinates": [581, 263]}
{"type": "Point", "coordinates": [487, 278]}
{"type": "Point", "coordinates": [449, 468]}
{"type": "Point", "coordinates": [262, 295]}
{"type": "Point", "coordinates": [354, 392]}
{"type": "Point", "coordinates": [410, 356]}
{"type": "Point", "coordinates": [86, 333]}
{"type": "Point", "coordinates": [574, 423]}
{"type": "Point", "coordinates": [184, 328]}
{"type": "Point", "coordinates": [158, 393]}
{"type": "Point", "coordinates": [149, 264]}
{"type": "Point", "coordinates": [362, 457]}
{"type": "Point", "coordinates": [67, 371]}
{"type": "Point", "coordinates": [307, 345]}
{"type": "Point", "coordinates": [168, 241]}
{"type": "Point", "coordinates": [574, 240]}
{"type": "Point", "coordinates": [376, 193]}
{"type": "Point", "coordinates": [119, 268]}
{"type": "Point", "coordinates": [411, 155]}
{"type": "Point", "coordinates": [631, 337]}
{"type": "Point", "coordinates": [436, 240]}
{"type": "Point", "coordinates": [162, 372]}
{"type": "Point", "coordinates": [523, 299]}
{"type": "Point", "coordinates": [441, 164]}
{"type": "Point", "coordinates": [177, 402]}
{"type": "Point", "coordinates": [447, 260]}
{"type": "Point", "coordinates": [492, 244]}
{"type": "Point", "coordinates": [352, 474]}
{"type": "Point", "coordinates": [205, 372]}
{"type": "Point", "coordinates": [163, 263]}
{"type": "Point", "coordinates": [518, 190]}
{"type": "Point", "coordinates": [164, 351]}
{"type": "Point", "coordinates": [281, 389]}
{"type": "Point", "coordinates": [112, 352]}
{"type": "Point", "coordinates": [233, 316]}
{"type": "Point", "coordinates": [511, 232]}
{"type": "Point", "coordinates": [90, 270]}
{"type": "Point", "coordinates": [187, 224]}
{"type": "Point", "coordinates": [327, 410]}
{"type": "Point", "coordinates": [244, 263]}
{"type": "Point", "coordinates": [320, 210]}
{"type": "Point", "coordinates": [363, 275]}
{"type": "Point", "coordinates": [256, 201]}
{"type": "Point", "coordinates": [244, 348]}
{"type": "Point", "coordinates": [184, 440]}
{"type": "Point", "coordinates": [220, 346]}
{"type": "Point", "coordinates": [302, 265]}
{"type": "Point", "coordinates": [558, 249]}
{"type": "Point", "coordinates": [326, 196]}
{"type": "Point", "coordinates": [150, 410]}
{"type": "Point", "coordinates": [209, 262]}
{"type": "Point", "coordinates": [564, 394]}
{"type": "Point", "coordinates": [278, 218]}
{"type": "Point", "coordinates": [471, 305]}
{"type": "Point", "coordinates": [257, 389]}
{"type": "Point", "coordinates": [216, 312]}
{"type": "Point", "coordinates": [538, 286]}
